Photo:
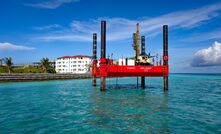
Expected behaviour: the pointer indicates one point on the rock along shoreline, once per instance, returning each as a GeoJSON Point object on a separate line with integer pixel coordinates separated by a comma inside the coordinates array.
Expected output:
{"type": "Point", "coordinates": [18, 77]}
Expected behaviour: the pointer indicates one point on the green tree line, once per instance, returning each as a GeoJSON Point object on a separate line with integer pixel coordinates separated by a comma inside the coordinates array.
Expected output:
{"type": "Point", "coordinates": [43, 67]}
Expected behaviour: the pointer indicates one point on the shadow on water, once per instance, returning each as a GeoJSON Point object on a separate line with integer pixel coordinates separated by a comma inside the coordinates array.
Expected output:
{"type": "Point", "coordinates": [127, 87]}
{"type": "Point", "coordinates": [129, 111]}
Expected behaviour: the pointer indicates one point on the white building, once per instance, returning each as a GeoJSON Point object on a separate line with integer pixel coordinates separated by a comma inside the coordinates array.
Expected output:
{"type": "Point", "coordinates": [78, 64]}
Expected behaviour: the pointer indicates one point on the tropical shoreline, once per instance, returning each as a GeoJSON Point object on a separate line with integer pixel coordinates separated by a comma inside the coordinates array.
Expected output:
{"type": "Point", "coordinates": [19, 77]}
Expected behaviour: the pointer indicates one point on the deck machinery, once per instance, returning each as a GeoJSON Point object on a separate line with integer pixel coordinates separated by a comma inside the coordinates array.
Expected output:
{"type": "Point", "coordinates": [106, 67]}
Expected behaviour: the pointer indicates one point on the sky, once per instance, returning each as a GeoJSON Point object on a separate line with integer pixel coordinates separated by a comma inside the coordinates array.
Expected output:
{"type": "Point", "coordinates": [33, 29]}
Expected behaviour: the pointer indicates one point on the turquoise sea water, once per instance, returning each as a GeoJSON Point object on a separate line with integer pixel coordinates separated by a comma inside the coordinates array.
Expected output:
{"type": "Point", "coordinates": [192, 105]}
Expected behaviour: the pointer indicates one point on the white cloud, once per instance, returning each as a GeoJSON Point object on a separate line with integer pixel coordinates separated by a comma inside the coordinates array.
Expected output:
{"type": "Point", "coordinates": [64, 38]}
{"type": "Point", "coordinates": [9, 46]}
{"type": "Point", "coordinates": [215, 34]}
{"type": "Point", "coordinates": [208, 57]}
{"type": "Point", "coordinates": [48, 27]}
{"type": "Point", "coordinates": [121, 28]}
{"type": "Point", "coordinates": [50, 4]}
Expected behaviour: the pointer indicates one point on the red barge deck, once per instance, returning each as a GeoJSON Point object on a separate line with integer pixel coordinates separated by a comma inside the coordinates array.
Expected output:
{"type": "Point", "coordinates": [108, 69]}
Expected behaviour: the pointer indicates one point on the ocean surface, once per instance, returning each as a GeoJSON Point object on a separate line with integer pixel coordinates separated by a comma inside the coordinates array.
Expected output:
{"type": "Point", "coordinates": [192, 105]}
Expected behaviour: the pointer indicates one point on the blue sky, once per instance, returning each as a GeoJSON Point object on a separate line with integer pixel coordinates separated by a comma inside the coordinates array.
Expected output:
{"type": "Point", "coordinates": [32, 29]}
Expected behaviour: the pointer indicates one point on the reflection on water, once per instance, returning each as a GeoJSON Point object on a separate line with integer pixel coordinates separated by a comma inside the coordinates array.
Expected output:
{"type": "Point", "coordinates": [130, 109]}
{"type": "Point", "coordinates": [192, 105]}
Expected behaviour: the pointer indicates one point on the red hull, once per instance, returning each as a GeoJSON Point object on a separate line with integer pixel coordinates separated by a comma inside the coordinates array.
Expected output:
{"type": "Point", "coordinates": [109, 70]}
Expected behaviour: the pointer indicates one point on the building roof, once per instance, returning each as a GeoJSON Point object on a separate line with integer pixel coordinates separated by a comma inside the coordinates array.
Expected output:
{"type": "Point", "coordinates": [75, 56]}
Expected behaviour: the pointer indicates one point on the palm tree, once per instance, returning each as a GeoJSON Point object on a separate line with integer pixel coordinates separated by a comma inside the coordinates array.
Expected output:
{"type": "Point", "coordinates": [8, 62]}
{"type": "Point", "coordinates": [45, 64]}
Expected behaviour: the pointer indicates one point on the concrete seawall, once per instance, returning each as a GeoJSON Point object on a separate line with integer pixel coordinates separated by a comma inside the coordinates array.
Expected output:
{"type": "Point", "coordinates": [40, 76]}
